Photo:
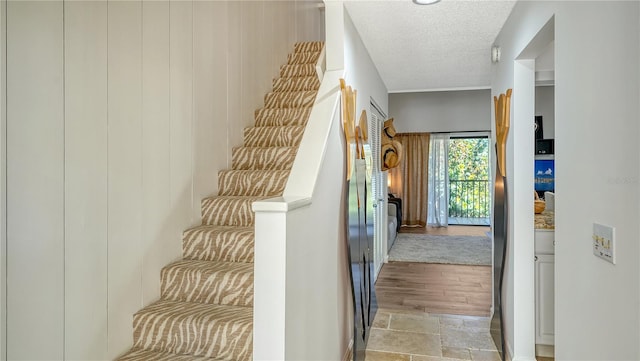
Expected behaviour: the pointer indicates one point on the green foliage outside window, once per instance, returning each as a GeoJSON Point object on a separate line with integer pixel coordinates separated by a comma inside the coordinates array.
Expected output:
{"type": "Point", "coordinates": [469, 177]}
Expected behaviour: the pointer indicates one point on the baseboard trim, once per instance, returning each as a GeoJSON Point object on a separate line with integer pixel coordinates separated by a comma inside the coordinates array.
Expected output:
{"type": "Point", "coordinates": [523, 359]}
{"type": "Point", "coordinates": [348, 353]}
{"type": "Point", "coordinates": [545, 350]}
{"type": "Point", "coordinates": [510, 357]}
{"type": "Point", "coordinates": [507, 349]}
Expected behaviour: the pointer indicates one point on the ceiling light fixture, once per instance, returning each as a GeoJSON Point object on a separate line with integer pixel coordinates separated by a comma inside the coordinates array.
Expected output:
{"type": "Point", "coordinates": [426, 2]}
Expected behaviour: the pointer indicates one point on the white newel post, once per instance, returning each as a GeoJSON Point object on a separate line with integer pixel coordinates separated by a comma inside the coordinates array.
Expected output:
{"type": "Point", "coordinates": [269, 280]}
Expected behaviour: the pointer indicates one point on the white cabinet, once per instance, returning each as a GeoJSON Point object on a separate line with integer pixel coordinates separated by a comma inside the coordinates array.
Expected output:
{"type": "Point", "coordinates": [544, 293]}
{"type": "Point", "coordinates": [544, 286]}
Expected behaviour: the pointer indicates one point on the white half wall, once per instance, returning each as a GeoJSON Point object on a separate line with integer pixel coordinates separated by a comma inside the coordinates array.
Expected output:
{"type": "Point", "coordinates": [319, 322]}
{"type": "Point", "coordinates": [119, 116]}
{"type": "Point", "coordinates": [444, 111]}
{"type": "Point", "coordinates": [597, 171]}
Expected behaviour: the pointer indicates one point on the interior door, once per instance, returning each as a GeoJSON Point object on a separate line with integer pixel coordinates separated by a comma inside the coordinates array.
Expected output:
{"type": "Point", "coordinates": [379, 190]}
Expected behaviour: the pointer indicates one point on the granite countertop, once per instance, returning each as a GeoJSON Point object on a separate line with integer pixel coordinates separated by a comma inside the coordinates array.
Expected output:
{"type": "Point", "coordinates": [545, 220]}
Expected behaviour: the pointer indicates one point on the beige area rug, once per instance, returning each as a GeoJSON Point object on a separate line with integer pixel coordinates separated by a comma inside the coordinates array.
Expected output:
{"type": "Point", "coordinates": [425, 248]}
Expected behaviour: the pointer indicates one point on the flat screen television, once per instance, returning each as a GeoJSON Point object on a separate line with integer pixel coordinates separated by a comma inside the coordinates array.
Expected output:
{"type": "Point", "coordinates": [544, 175]}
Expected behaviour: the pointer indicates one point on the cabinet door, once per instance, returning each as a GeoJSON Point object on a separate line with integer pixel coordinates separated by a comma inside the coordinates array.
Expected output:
{"type": "Point", "coordinates": [545, 307]}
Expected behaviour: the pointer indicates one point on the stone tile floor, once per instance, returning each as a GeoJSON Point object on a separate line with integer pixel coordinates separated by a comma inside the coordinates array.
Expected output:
{"type": "Point", "coordinates": [415, 336]}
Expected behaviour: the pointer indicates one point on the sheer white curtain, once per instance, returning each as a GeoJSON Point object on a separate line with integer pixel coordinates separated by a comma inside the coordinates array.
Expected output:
{"type": "Point", "coordinates": [438, 194]}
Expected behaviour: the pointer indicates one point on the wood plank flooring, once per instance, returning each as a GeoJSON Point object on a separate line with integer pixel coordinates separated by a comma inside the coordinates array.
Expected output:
{"type": "Point", "coordinates": [448, 231]}
{"type": "Point", "coordinates": [435, 288]}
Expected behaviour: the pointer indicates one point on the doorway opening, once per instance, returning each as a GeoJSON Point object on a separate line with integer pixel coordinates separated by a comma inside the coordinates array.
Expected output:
{"type": "Point", "coordinates": [468, 173]}
{"type": "Point", "coordinates": [432, 261]}
{"type": "Point", "coordinates": [458, 180]}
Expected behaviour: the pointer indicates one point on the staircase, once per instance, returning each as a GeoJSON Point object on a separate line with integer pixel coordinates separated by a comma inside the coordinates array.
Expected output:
{"type": "Point", "coordinates": [205, 311]}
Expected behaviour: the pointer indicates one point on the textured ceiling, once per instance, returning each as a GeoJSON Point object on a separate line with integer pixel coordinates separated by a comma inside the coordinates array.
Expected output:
{"type": "Point", "coordinates": [446, 46]}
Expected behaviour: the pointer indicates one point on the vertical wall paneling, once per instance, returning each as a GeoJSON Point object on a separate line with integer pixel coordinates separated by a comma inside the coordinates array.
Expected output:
{"type": "Point", "coordinates": [159, 245]}
{"type": "Point", "coordinates": [3, 179]}
{"type": "Point", "coordinates": [272, 59]}
{"type": "Point", "coordinates": [309, 23]}
{"type": "Point", "coordinates": [181, 112]}
{"type": "Point", "coordinates": [35, 180]}
{"type": "Point", "coordinates": [220, 85]}
{"type": "Point", "coordinates": [85, 167]}
{"type": "Point", "coordinates": [124, 170]}
{"type": "Point", "coordinates": [301, 19]}
{"type": "Point", "coordinates": [282, 28]}
{"type": "Point", "coordinates": [290, 33]}
{"type": "Point", "coordinates": [234, 70]}
{"type": "Point", "coordinates": [119, 115]}
{"type": "Point", "coordinates": [269, 46]}
{"type": "Point", "coordinates": [210, 98]}
{"type": "Point", "coordinates": [252, 61]}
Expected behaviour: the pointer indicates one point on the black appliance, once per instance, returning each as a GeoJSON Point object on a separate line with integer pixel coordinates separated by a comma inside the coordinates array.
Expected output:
{"type": "Point", "coordinates": [544, 146]}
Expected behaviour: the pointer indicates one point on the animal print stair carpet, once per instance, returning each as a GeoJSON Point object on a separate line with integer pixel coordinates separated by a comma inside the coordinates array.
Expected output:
{"type": "Point", "coordinates": [205, 310]}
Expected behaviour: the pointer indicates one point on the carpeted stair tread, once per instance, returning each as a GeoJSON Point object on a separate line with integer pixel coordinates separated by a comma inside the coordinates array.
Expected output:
{"type": "Point", "coordinates": [229, 210]}
{"type": "Point", "coordinates": [270, 117]}
{"type": "Point", "coordinates": [198, 329]}
{"type": "Point", "coordinates": [220, 283]}
{"type": "Point", "coordinates": [307, 57]}
{"type": "Point", "coordinates": [290, 99]}
{"type": "Point", "coordinates": [296, 84]}
{"type": "Point", "coordinates": [297, 70]}
{"type": "Point", "coordinates": [218, 243]}
{"type": "Point", "coordinates": [274, 158]}
{"type": "Point", "coordinates": [273, 136]}
{"type": "Point", "coordinates": [252, 182]}
{"type": "Point", "coordinates": [308, 46]}
{"type": "Point", "coordinates": [139, 354]}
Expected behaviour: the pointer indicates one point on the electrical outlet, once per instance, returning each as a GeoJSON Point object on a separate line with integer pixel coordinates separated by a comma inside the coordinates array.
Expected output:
{"type": "Point", "coordinates": [604, 241]}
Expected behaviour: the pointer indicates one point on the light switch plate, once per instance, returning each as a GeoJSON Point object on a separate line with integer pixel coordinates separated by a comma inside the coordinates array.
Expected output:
{"type": "Point", "coordinates": [604, 241]}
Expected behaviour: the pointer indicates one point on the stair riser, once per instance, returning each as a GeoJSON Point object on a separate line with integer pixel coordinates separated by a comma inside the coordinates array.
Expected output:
{"type": "Point", "coordinates": [276, 158]}
{"type": "Point", "coordinates": [220, 287]}
{"type": "Point", "coordinates": [298, 70]}
{"type": "Point", "coordinates": [195, 331]}
{"type": "Point", "coordinates": [296, 84]}
{"type": "Point", "coordinates": [303, 58]}
{"type": "Point", "coordinates": [221, 211]}
{"type": "Point", "coordinates": [273, 136]}
{"type": "Point", "coordinates": [270, 117]}
{"type": "Point", "coordinates": [312, 46]}
{"type": "Point", "coordinates": [252, 183]}
{"type": "Point", "coordinates": [303, 99]}
{"type": "Point", "coordinates": [228, 245]}
{"type": "Point", "coordinates": [147, 355]}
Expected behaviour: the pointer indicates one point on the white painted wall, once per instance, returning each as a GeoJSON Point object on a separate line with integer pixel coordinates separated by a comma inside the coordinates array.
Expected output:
{"type": "Point", "coordinates": [361, 73]}
{"type": "Point", "coordinates": [596, 104]}
{"type": "Point", "coordinates": [121, 114]}
{"type": "Point", "coordinates": [545, 106]}
{"type": "Point", "coordinates": [445, 111]}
